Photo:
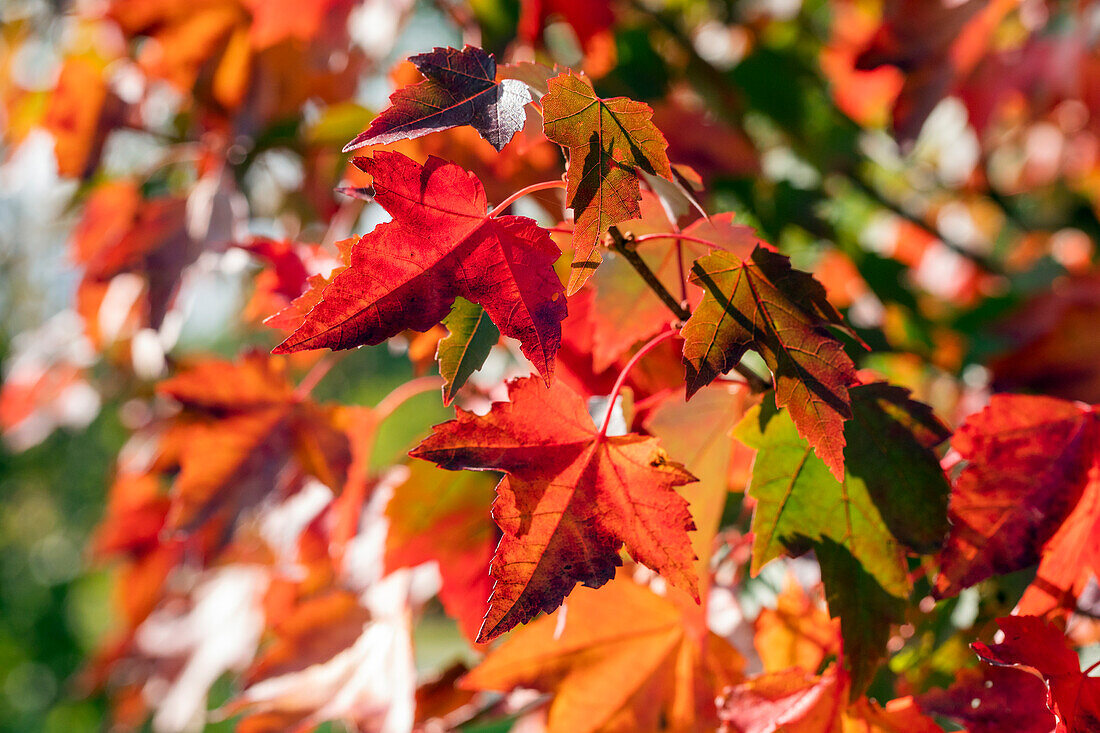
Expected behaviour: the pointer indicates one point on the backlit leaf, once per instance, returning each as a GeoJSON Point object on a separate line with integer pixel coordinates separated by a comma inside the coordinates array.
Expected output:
{"type": "Point", "coordinates": [617, 659]}
{"type": "Point", "coordinates": [1040, 648]}
{"type": "Point", "coordinates": [460, 88]}
{"type": "Point", "coordinates": [763, 304]}
{"type": "Point", "coordinates": [462, 352]}
{"type": "Point", "coordinates": [1029, 492]}
{"type": "Point", "coordinates": [607, 140]}
{"type": "Point", "coordinates": [440, 245]}
{"type": "Point", "coordinates": [570, 501]}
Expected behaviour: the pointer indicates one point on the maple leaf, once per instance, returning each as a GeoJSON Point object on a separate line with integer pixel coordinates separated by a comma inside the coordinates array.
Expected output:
{"type": "Point", "coordinates": [572, 498]}
{"type": "Point", "coordinates": [80, 112]}
{"type": "Point", "coordinates": [440, 245]}
{"type": "Point", "coordinates": [622, 658]}
{"type": "Point", "coordinates": [796, 633]}
{"type": "Point", "coordinates": [991, 700]}
{"type": "Point", "coordinates": [1030, 492]}
{"type": "Point", "coordinates": [764, 304]}
{"type": "Point", "coordinates": [893, 493]}
{"type": "Point", "coordinates": [120, 231]}
{"type": "Point", "coordinates": [460, 88]}
{"type": "Point", "coordinates": [241, 426]}
{"type": "Point", "coordinates": [443, 516]}
{"type": "Point", "coordinates": [1040, 648]}
{"type": "Point", "coordinates": [796, 701]}
{"type": "Point", "coordinates": [471, 335]}
{"type": "Point", "coordinates": [607, 140]}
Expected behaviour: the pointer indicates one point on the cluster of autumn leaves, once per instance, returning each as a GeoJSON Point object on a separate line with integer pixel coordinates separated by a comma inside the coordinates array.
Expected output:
{"type": "Point", "coordinates": [835, 462]}
{"type": "Point", "coordinates": [844, 466]}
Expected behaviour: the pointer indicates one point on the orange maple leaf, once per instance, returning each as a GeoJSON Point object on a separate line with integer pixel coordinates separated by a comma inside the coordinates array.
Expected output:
{"type": "Point", "coordinates": [242, 425]}
{"type": "Point", "coordinates": [621, 658]}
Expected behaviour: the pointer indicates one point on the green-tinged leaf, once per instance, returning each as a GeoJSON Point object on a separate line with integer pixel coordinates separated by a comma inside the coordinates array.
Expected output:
{"type": "Point", "coordinates": [462, 352]}
{"type": "Point", "coordinates": [799, 502]}
{"type": "Point", "coordinates": [763, 304]}
{"type": "Point", "coordinates": [893, 494]}
{"type": "Point", "coordinates": [607, 140]}
{"type": "Point", "coordinates": [865, 609]}
{"type": "Point", "coordinates": [890, 441]}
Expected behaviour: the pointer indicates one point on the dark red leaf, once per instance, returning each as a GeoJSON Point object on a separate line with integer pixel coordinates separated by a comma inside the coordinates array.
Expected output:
{"type": "Point", "coordinates": [460, 88]}
{"type": "Point", "coordinates": [441, 244]}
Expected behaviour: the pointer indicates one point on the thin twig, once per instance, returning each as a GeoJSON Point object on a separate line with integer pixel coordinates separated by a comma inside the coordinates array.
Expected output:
{"type": "Point", "coordinates": [757, 384]}
{"type": "Point", "coordinates": [624, 245]}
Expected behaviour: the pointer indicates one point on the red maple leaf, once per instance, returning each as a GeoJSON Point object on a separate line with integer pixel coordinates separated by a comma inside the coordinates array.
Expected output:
{"type": "Point", "coordinates": [992, 699]}
{"type": "Point", "coordinates": [1036, 453]}
{"type": "Point", "coordinates": [799, 702]}
{"type": "Point", "coordinates": [441, 244]}
{"type": "Point", "coordinates": [572, 498]}
{"type": "Point", "coordinates": [242, 424]}
{"type": "Point", "coordinates": [1041, 649]}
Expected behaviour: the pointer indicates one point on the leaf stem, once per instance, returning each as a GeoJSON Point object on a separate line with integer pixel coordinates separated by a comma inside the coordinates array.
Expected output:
{"type": "Point", "coordinates": [624, 245]}
{"type": "Point", "coordinates": [673, 235]}
{"type": "Point", "coordinates": [402, 393]}
{"type": "Point", "coordinates": [318, 372]}
{"type": "Point", "coordinates": [503, 205]}
{"type": "Point", "coordinates": [649, 346]}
